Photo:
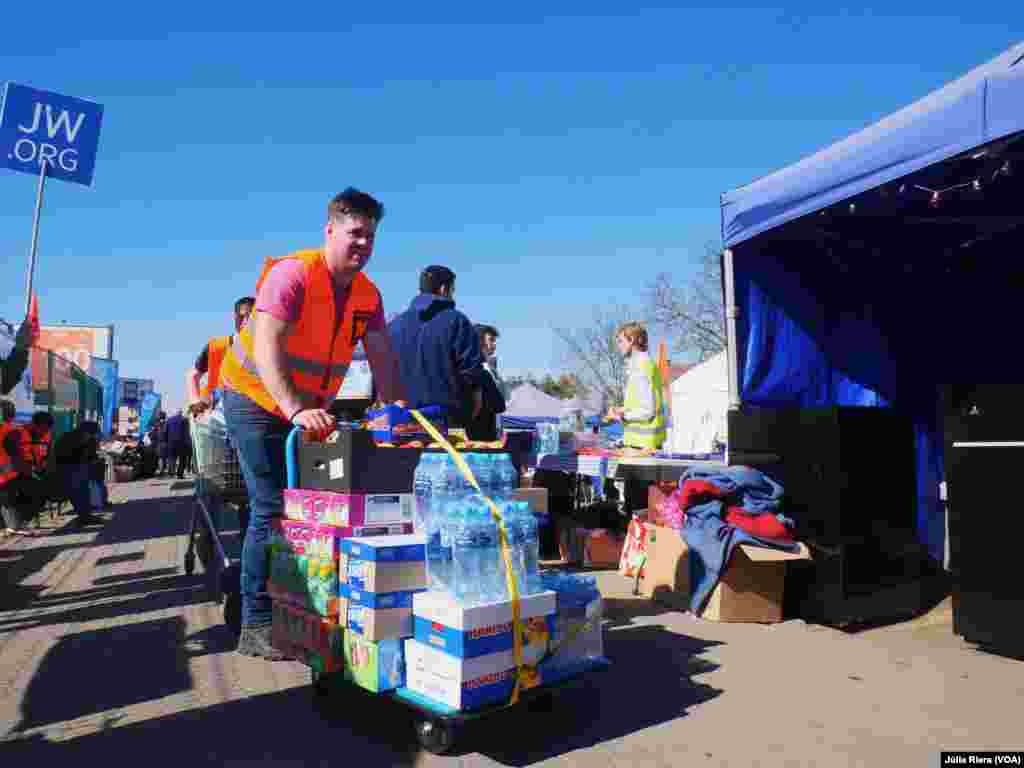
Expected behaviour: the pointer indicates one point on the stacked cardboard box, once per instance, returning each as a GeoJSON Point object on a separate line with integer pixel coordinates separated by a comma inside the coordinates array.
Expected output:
{"type": "Point", "coordinates": [463, 658]}
{"type": "Point", "coordinates": [307, 567]}
{"type": "Point", "coordinates": [380, 577]}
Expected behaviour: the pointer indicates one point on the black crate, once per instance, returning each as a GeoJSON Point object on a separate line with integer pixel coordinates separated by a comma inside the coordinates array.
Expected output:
{"type": "Point", "coordinates": [355, 464]}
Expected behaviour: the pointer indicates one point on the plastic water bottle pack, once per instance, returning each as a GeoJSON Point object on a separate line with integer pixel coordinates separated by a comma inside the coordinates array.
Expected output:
{"type": "Point", "coordinates": [464, 554]}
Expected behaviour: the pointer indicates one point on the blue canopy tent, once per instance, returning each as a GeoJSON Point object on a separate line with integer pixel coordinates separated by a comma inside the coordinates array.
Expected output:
{"type": "Point", "coordinates": [880, 269]}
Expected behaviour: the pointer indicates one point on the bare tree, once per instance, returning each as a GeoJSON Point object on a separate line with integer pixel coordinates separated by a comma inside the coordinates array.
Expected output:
{"type": "Point", "coordinates": [591, 354]}
{"type": "Point", "coordinates": [691, 313]}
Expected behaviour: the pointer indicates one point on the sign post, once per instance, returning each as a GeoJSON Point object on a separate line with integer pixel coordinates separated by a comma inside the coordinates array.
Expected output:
{"type": "Point", "coordinates": [47, 134]}
{"type": "Point", "coordinates": [35, 236]}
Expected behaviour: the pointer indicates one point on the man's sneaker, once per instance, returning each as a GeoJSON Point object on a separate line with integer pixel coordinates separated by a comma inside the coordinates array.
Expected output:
{"type": "Point", "coordinates": [255, 641]}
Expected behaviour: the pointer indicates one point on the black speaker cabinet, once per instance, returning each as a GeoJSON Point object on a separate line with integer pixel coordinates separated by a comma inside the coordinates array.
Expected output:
{"type": "Point", "coordinates": [984, 451]}
{"type": "Point", "coordinates": [850, 481]}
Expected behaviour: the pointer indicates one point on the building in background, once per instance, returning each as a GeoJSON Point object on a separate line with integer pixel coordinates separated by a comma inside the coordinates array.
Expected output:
{"type": "Point", "coordinates": [76, 343]}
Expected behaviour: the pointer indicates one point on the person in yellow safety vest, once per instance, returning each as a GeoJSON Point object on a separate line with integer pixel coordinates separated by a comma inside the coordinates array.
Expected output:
{"type": "Point", "coordinates": [644, 424]}
{"type": "Point", "coordinates": [22, 492]}
{"type": "Point", "coordinates": [285, 367]}
{"type": "Point", "coordinates": [201, 397]}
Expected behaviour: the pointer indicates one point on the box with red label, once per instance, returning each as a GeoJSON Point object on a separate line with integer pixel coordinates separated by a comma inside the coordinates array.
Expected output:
{"type": "Point", "coordinates": [441, 622]}
{"type": "Point", "coordinates": [634, 551]}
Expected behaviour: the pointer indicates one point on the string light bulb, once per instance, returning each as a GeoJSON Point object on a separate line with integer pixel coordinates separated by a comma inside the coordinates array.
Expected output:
{"type": "Point", "coordinates": [936, 200]}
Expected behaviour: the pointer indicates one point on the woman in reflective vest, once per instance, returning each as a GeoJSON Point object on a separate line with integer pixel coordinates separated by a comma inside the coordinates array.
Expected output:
{"type": "Point", "coordinates": [316, 364]}
{"type": "Point", "coordinates": [644, 423]}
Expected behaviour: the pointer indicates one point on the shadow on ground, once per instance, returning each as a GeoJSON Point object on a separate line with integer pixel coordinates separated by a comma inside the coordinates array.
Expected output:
{"type": "Point", "coordinates": [290, 727]}
{"type": "Point", "coordinates": [99, 670]}
{"type": "Point", "coordinates": [650, 682]}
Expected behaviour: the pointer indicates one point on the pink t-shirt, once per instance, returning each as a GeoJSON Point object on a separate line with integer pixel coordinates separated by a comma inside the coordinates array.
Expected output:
{"type": "Point", "coordinates": [282, 293]}
{"type": "Point", "coordinates": [281, 296]}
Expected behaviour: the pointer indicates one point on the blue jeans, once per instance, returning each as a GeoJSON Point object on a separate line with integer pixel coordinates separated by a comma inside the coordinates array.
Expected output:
{"type": "Point", "coordinates": [75, 481]}
{"type": "Point", "coordinates": [258, 436]}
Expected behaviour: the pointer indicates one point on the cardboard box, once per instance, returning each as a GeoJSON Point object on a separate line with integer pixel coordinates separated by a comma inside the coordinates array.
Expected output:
{"type": "Point", "coordinates": [601, 548]}
{"type": "Point", "coordinates": [537, 498]}
{"type": "Point", "coordinates": [375, 666]}
{"type": "Point", "coordinates": [395, 425]}
{"type": "Point", "coordinates": [348, 509]}
{"type": "Point", "coordinates": [461, 684]}
{"type": "Point", "coordinates": [442, 623]}
{"type": "Point", "coordinates": [387, 549]}
{"type": "Point", "coordinates": [379, 623]}
{"type": "Point", "coordinates": [375, 576]}
{"type": "Point", "coordinates": [750, 590]}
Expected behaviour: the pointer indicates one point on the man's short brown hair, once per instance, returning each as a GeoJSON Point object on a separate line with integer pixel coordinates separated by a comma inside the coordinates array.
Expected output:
{"type": "Point", "coordinates": [352, 202]}
{"type": "Point", "coordinates": [636, 333]}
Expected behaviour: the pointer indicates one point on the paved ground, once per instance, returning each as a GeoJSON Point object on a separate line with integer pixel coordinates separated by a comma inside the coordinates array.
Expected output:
{"type": "Point", "coordinates": [108, 650]}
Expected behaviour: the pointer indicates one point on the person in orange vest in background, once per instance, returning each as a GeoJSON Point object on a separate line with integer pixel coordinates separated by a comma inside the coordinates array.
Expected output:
{"type": "Point", "coordinates": [40, 434]}
{"type": "Point", "coordinates": [23, 493]}
{"type": "Point", "coordinates": [285, 367]}
{"type": "Point", "coordinates": [202, 397]}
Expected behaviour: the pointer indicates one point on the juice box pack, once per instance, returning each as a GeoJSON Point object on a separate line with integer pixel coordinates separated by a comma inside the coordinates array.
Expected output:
{"type": "Point", "coordinates": [348, 509]}
{"type": "Point", "coordinates": [376, 666]}
{"type": "Point", "coordinates": [316, 640]}
{"type": "Point", "coordinates": [304, 562]}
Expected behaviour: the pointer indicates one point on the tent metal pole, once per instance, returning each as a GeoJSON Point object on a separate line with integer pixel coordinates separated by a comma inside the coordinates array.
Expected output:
{"type": "Point", "coordinates": [731, 313]}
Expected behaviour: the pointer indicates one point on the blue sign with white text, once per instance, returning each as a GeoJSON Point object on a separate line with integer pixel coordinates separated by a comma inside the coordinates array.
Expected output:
{"type": "Point", "coordinates": [39, 126]}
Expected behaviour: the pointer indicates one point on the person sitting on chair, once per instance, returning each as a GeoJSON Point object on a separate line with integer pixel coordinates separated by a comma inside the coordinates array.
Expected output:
{"type": "Point", "coordinates": [25, 492]}
{"type": "Point", "coordinates": [74, 457]}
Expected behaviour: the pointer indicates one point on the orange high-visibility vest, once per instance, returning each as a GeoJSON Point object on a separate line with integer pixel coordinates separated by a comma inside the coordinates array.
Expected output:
{"type": "Point", "coordinates": [319, 350]}
{"type": "Point", "coordinates": [35, 448]}
{"type": "Point", "coordinates": [7, 470]}
{"type": "Point", "coordinates": [216, 348]}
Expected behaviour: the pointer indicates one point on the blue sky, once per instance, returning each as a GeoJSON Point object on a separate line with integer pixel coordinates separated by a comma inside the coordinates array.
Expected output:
{"type": "Point", "coordinates": [555, 162]}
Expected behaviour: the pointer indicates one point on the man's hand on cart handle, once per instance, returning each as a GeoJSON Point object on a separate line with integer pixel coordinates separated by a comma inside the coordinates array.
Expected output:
{"type": "Point", "coordinates": [315, 420]}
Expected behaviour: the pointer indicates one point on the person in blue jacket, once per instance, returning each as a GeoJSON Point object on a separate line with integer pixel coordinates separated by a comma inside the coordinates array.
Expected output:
{"type": "Point", "coordinates": [438, 350]}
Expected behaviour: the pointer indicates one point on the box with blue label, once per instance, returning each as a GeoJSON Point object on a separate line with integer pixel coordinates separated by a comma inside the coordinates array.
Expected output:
{"type": "Point", "coordinates": [362, 597]}
{"type": "Point", "coordinates": [380, 623]}
{"type": "Point", "coordinates": [378, 576]}
{"type": "Point", "coordinates": [441, 622]}
{"type": "Point", "coordinates": [461, 684]}
{"type": "Point", "coordinates": [387, 549]}
{"type": "Point", "coordinates": [375, 666]}
{"type": "Point", "coordinates": [394, 424]}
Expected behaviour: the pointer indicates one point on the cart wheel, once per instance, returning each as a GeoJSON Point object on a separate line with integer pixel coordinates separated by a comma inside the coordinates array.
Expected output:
{"type": "Point", "coordinates": [436, 736]}
{"type": "Point", "coordinates": [233, 612]}
{"type": "Point", "coordinates": [190, 564]}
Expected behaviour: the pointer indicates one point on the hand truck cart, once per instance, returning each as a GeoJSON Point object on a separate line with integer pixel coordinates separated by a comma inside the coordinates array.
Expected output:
{"type": "Point", "coordinates": [435, 725]}
{"type": "Point", "coordinates": [220, 517]}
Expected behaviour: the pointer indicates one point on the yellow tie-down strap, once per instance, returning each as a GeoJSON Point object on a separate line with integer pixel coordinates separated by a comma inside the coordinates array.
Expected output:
{"type": "Point", "coordinates": [526, 676]}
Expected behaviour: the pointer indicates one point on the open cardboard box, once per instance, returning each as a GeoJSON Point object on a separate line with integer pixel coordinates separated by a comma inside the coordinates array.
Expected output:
{"type": "Point", "coordinates": [750, 590]}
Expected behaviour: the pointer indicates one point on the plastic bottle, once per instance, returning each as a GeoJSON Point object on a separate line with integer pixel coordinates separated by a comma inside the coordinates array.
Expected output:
{"type": "Point", "coordinates": [464, 558]}
{"type": "Point", "coordinates": [488, 552]}
{"type": "Point", "coordinates": [423, 487]}
{"type": "Point", "coordinates": [531, 549]}
{"type": "Point", "coordinates": [439, 549]}
{"type": "Point", "coordinates": [514, 528]}
{"type": "Point", "coordinates": [507, 476]}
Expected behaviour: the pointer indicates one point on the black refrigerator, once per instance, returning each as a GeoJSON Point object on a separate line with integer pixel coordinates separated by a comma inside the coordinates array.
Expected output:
{"type": "Point", "coordinates": [984, 457]}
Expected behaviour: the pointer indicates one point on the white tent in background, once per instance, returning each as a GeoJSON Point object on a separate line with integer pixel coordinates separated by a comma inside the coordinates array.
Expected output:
{"type": "Point", "coordinates": [700, 404]}
{"type": "Point", "coordinates": [592, 404]}
{"type": "Point", "coordinates": [528, 402]}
